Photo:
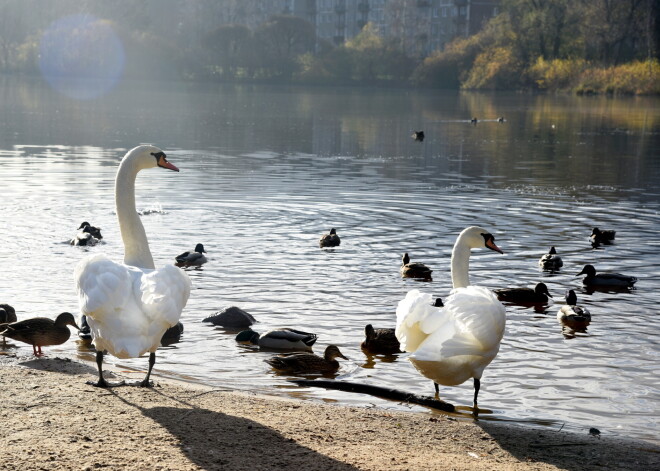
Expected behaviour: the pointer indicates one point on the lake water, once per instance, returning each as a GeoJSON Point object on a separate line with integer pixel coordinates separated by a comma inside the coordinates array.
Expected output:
{"type": "Point", "coordinates": [266, 170]}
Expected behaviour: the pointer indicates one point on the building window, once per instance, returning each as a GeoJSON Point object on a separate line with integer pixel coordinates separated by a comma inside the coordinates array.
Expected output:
{"type": "Point", "coordinates": [496, 11]}
{"type": "Point", "coordinates": [444, 12]}
{"type": "Point", "coordinates": [462, 11]}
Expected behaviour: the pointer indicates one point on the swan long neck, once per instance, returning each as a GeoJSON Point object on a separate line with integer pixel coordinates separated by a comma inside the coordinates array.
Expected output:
{"type": "Point", "coordinates": [136, 245]}
{"type": "Point", "coordinates": [460, 264]}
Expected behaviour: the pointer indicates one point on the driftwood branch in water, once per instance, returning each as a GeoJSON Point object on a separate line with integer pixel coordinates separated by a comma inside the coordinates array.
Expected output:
{"type": "Point", "coordinates": [378, 391]}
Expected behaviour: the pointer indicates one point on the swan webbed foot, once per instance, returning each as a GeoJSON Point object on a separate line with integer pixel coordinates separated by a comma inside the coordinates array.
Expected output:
{"type": "Point", "coordinates": [102, 383]}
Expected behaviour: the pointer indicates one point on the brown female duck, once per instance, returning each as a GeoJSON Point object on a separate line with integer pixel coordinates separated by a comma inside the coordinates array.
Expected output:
{"type": "Point", "coordinates": [330, 240]}
{"type": "Point", "coordinates": [308, 362]}
{"type": "Point", "coordinates": [41, 331]}
{"type": "Point", "coordinates": [380, 341]}
{"type": "Point", "coordinates": [415, 269]}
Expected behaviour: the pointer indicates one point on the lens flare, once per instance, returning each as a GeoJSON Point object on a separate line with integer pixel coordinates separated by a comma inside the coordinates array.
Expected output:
{"type": "Point", "coordinates": [81, 56]}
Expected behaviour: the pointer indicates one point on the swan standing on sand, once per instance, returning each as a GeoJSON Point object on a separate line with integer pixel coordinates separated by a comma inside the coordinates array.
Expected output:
{"type": "Point", "coordinates": [456, 342]}
{"type": "Point", "coordinates": [130, 305]}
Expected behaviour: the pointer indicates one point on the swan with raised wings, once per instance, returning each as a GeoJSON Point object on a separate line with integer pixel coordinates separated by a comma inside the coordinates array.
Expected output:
{"type": "Point", "coordinates": [456, 342]}
{"type": "Point", "coordinates": [130, 305]}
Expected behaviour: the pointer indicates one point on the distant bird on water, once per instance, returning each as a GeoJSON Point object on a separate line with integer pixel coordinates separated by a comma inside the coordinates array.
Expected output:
{"type": "Point", "coordinates": [40, 331]}
{"type": "Point", "coordinates": [418, 136]}
{"type": "Point", "coordinates": [599, 237]}
{"type": "Point", "coordinates": [474, 120]}
{"type": "Point", "coordinates": [330, 240]}
{"type": "Point", "coordinates": [538, 295]}
{"type": "Point", "coordinates": [572, 315]}
{"type": "Point", "coordinates": [87, 235]}
{"type": "Point", "coordinates": [381, 341]}
{"type": "Point", "coordinates": [551, 261]}
{"type": "Point", "coordinates": [605, 280]}
{"type": "Point", "coordinates": [500, 119]}
{"type": "Point", "coordinates": [414, 269]}
{"type": "Point", "coordinates": [196, 257]}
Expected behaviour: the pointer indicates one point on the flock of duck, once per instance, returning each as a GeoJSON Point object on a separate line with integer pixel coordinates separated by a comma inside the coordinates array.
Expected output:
{"type": "Point", "coordinates": [129, 307]}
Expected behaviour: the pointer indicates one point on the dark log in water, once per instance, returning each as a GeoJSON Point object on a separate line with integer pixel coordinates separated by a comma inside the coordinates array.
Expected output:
{"type": "Point", "coordinates": [386, 393]}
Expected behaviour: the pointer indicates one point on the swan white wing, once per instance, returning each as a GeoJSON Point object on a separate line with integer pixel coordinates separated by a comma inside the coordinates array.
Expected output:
{"type": "Point", "coordinates": [473, 325]}
{"type": "Point", "coordinates": [164, 293]}
{"type": "Point", "coordinates": [103, 285]}
{"type": "Point", "coordinates": [416, 318]}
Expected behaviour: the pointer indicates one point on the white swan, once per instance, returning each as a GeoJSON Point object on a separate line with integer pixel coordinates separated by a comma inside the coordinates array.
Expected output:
{"type": "Point", "coordinates": [456, 342]}
{"type": "Point", "coordinates": [130, 305]}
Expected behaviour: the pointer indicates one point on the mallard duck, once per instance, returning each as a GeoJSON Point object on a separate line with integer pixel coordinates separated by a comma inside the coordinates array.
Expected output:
{"type": "Point", "coordinates": [418, 136]}
{"type": "Point", "coordinates": [551, 261]}
{"type": "Point", "coordinates": [308, 362]}
{"type": "Point", "coordinates": [415, 269]}
{"type": "Point", "coordinates": [196, 257]}
{"type": "Point", "coordinates": [232, 316]}
{"type": "Point", "coordinates": [330, 240]}
{"type": "Point", "coordinates": [380, 341]}
{"type": "Point", "coordinates": [538, 295]}
{"type": "Point", "coordinates": [41, 331]}
{"type": "Point", "coordinates": [612, 280]}
{"type": "Point", "coordinates": [279, 339]}
{"type": "Point", "coordinates": [87, 227]}
{"type": "Point", "coordinates": [87, 235]}
{"type": "Point", "coordinates": [599, 237]}
{"type": "Point", "coordinates": [571, 314]}
{"type": "Point", "coordinates": [438, 302]}
{"type": "Point", "coordinates": [452, 344]}
{"type": "Point", "coordinates": [7, 316]}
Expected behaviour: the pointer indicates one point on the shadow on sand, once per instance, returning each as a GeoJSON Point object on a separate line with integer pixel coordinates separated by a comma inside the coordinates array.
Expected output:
{"type": "Point", "coordinates": [214, 440]}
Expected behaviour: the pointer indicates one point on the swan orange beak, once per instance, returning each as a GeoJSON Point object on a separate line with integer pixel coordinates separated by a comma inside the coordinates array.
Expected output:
{"type": "Point", "coordinates": [491, 245]}
{"type": "Point", "coordinates": [162, 162]}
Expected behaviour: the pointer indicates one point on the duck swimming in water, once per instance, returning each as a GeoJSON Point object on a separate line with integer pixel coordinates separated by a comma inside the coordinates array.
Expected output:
{"type": "Point", "coordinates": [414, 269]}
{"type": "Point", "coordinates": [330, 240]}
{"type": "Point", "coordinates": [551, 261]}
{"type": "Point", "coordinates": [195, 257]}
{"type": "Point", "coordinates": [538, 295]}
{"type": "Point", "coordinates": [606, 280]}
{"type": "Point", "coordinates": [279, 339]}
{"type": "Point", "coordinates": [572, 315]}
{"type": "Point", "coordinates": [308, 362]}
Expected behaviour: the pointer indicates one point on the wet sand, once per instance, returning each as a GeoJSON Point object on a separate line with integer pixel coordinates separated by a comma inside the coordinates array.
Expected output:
{"type": "Point", "coordinates": [52, 420]}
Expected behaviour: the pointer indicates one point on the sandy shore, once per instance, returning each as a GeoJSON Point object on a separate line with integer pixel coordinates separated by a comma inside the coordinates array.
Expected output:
{"type": "Point", "coordinates": [52, 420]}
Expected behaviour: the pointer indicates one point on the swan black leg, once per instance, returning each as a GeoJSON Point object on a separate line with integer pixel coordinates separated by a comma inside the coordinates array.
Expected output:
{"type": "Point", "coordinates": [102, 383]}
{"type": "Point", "coordinates": [152, 361]}
{"type": "Point", "coordinates": [477, 386]}
{"type": "Point", "coordinates": [437, 388]}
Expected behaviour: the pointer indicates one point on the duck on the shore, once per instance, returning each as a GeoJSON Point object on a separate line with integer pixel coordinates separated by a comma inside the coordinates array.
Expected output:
{"type": "Point", "coordinates": [551, 261]}
{"type": "Point", "coordinates": [452, 344]}
{"type": "Point", "coordinates": [611, 280]}
{"type": "Point", "coordinates": [572, 315]}
{"type": "Point", "coordinates": [41, 331]}
{"type": "Point", "coordinates": [330, 240]}
{"type": "Point", "coordinates": [279, 339]}
{"type": "Point", "coordinates": [381, 341]}
{"type": "Point", "coordinates": [415, 269]}
{"type": "Point", "coordinates": [599, 237]}
{"type": "Point", "coordinates": [538, 295]}
{"type": "Point", "coordinates": [418, 136]}
{"type": "Point", "coordinates": [7, 316]}
{"type": "Point", "coordinates": [194, 257]}
{"type": "Point", "coordinates": [308, 362]}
